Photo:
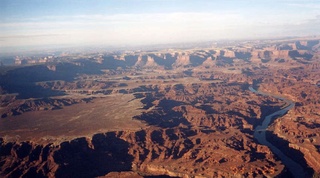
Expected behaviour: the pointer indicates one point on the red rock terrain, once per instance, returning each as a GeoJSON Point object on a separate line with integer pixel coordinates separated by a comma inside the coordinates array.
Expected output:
{"type": "Point", "coordinates": [186, 139]}
{"type": "Point", "coordinates": [301, 126]}
{"type": "Point", "coordinates": [198, 114]}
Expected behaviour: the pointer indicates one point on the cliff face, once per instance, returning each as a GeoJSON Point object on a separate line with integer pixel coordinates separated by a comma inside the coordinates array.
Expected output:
{"type": "Point", "coordinates": [301, 137]}
{"type": "Point", "coordinates": [151, 63]}
{"type": "Point", "coordinates": [182, 149]}
{"type": "Point", "coordinates": [196, 116]}
{"type": "Point", "coordinates": [182, 61]}
{"type": "Point", "coordinates": [209, 62]}
{"type": "Point", "coordinates": [297, 52]}
{"type": "Point", "coordinates": [300, 127]}
{"type": "Point", "coordinates": [142, 60]}
{"type": "Point", "coordinates": [175, 152]}
{"type": "Point", "coordinates": [229, 54]}
{"type": "Point", "coordinates": [80, 157]}
{"type": "Point", "coordinates": [281, 56]}
{"type": "Point", "coordinates": [190, 134]}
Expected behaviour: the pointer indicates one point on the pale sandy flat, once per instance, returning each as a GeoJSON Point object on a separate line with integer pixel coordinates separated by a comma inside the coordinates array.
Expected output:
{"type": "Point", "coordinates": [110, 113]}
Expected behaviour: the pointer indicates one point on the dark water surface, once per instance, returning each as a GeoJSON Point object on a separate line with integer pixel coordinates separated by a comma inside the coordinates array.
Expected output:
{"type": "Point", "coordinates": [260, 134]}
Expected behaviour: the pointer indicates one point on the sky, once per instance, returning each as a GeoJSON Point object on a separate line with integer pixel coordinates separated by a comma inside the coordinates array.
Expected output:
{"type": "Point", "coordinates": [26, 23]}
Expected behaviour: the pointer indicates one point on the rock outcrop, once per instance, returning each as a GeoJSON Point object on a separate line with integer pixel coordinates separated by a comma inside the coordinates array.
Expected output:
{"type": "Point", "coordinates": [197, 113]}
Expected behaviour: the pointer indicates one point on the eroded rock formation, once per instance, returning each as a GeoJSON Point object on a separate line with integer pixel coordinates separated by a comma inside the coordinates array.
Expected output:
{"type": "Point", "coordinates": [198, 113]}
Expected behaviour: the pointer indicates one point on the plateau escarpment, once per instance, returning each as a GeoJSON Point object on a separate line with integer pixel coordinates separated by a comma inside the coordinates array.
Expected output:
{"type": "Point", "coordinates": [182, 113]}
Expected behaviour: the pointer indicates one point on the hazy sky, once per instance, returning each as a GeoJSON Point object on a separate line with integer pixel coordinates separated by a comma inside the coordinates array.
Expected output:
{"type": "Point", "coordinates": [136, 22]}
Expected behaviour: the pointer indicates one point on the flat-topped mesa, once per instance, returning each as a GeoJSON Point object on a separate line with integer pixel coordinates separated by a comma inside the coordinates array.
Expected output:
{"type": "Point", "coordinates": [150, 62]}
{"type": "Point", "coordinates": [229, 54]}
{"type": "Point", "coordinates": [194, 118]}
{"type": "Point", "coordinates": [285, 52]}
{"type": "Point", "coordinates": [182, 60]}
{"type": "Point", "coordinates": [146, 61]}
{"type": "Point", "coordinates": [306, 44]}
{"type": "Point", "coordinates": [280, 56]}
{"type": "Point", "coordinates": [209, 62]}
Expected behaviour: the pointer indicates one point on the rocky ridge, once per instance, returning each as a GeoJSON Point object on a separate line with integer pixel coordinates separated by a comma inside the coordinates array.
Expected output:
{"type": "Point", "coordinates": [199, 113]}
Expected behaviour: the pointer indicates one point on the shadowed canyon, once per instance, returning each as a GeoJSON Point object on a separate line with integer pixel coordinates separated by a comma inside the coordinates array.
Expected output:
{"type": "Point", "coordinates": [173, 112]}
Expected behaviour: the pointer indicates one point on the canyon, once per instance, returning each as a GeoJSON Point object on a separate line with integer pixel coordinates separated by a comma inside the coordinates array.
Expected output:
{"type": "Point", "coordinates": [170, 112]}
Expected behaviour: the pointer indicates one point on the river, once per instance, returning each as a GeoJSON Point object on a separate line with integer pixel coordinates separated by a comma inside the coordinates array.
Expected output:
{"type": "Point", "coordinates": [260, 134]}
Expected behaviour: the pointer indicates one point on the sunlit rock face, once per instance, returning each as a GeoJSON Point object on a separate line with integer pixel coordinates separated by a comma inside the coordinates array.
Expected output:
{"type": "Point", "coordinates": [180, 113]}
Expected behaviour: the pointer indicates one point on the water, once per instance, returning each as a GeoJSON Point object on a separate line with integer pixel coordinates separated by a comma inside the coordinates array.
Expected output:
{"type": "Point", "coordinates": [260, 134]}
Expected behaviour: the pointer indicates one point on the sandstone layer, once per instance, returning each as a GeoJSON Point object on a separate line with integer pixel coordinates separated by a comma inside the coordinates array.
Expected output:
{"type": "Point", "coordinates": [180, 113]}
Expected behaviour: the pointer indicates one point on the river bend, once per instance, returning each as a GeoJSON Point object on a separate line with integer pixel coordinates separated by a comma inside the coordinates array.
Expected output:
{"type": "Point", "coordinates": [260, 134]}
